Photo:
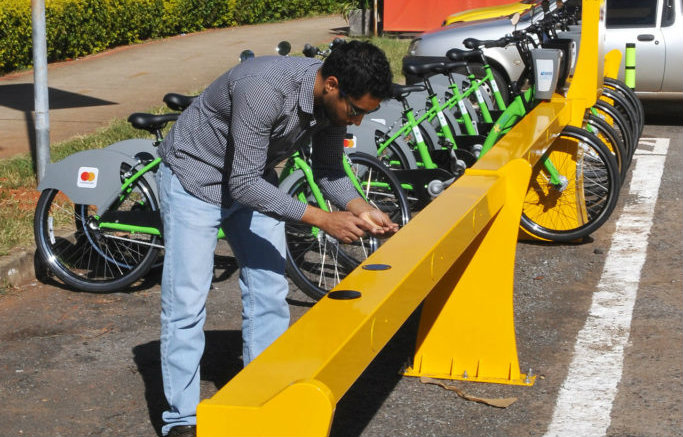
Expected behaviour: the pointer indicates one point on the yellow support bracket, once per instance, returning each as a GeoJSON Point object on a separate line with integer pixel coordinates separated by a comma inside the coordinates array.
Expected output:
{"type": "Point", "coordinates": [612, 63]}
{"type": "Point", "coordinates": [467, 332]}
{"type": "Point", "coordinates": [587, 81]}
{"type": "Point", "coordinates": [467, 328]}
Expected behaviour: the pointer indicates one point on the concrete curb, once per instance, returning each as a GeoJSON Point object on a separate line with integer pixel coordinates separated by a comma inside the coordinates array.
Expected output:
{"type": "Point", "coordinates": [18, 268]}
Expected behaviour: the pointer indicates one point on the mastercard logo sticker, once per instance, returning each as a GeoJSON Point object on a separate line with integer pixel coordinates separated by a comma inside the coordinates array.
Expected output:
{"type": "Point", "coordinates": [350, 142]}
{"type": "Point", "coordinates": [87, 177]}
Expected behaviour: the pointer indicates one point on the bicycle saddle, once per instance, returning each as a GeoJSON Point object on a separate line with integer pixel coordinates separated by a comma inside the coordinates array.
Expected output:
{"type": "Point", "coordinates": [459, 55]}
{"type": "Point", "coordinates": [178, 102]}
{"type": "Point", "coordinates": [423, 70]}
{"type": "Point", "coordinates": [473, 43]}
{"type": "Point", "coordinates": [150, 122]}
{"type": "Point", "coordinates": [399, 91]}
{"type": "Point", "coordinates": [451, 66]}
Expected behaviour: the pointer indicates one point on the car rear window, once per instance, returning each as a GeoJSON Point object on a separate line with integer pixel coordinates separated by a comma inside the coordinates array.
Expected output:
{"type": "Point", "coordinates": [631, 13]}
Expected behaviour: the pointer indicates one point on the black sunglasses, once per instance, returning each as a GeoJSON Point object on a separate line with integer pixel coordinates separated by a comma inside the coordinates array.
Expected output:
{"type": "Point", "coordinates": [353, 110]}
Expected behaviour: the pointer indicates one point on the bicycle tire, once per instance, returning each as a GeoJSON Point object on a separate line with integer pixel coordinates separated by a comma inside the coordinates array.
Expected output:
{"type": "Point", "coordinates": [316, 262]}
{"type": "Point", "coordinates": [89, 258]}
{"type": "Point", "coordinates": [630, 94]}
{"type": "Point", "coordinates": [626, 108]}
{"type": "Point", "coordinates": [588, 199]}
{"type": "Point", "coordinates": [615, 119]}
{"type": "Point", "coordinates": [607, 134]}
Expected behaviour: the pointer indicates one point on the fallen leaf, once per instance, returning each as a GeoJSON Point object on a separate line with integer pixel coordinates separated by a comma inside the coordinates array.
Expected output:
{"type": "Point", "coordinates": [498, 403]}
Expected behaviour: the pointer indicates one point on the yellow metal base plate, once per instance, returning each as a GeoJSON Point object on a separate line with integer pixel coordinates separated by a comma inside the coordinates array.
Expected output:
{"type": "Point", "coordinates": [523, 379]}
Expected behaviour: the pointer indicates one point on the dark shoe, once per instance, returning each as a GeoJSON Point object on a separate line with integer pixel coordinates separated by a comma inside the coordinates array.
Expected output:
{"type": "Point", "coordinates": [183, 431]}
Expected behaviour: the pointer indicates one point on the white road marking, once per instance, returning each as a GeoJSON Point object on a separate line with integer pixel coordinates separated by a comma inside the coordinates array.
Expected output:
{"type": "Point", "coordinates": [584, 403]}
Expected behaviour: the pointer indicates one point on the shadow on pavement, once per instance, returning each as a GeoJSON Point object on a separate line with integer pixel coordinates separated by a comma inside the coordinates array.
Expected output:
{"type": "Point", "coordinates": [365, 397]}
{"type": "Point", "coordinates": [42, 273]}
{"type": "Point", "coordinates": [20, 97]}
{"type": "Point", "coordinates": [221, 361]}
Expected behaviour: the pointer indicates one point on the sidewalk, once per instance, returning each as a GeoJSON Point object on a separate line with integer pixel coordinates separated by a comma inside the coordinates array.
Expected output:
{"type": "Point", "coordinates": [85, 94]}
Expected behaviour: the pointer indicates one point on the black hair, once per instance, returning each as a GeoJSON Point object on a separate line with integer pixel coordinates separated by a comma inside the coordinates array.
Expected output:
{"type": "Point", "coordinates": [360, 68]}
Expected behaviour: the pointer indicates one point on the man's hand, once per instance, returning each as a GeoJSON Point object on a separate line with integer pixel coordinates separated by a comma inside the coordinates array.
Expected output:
{"type": "Point", "coordinates": [348, 226]}
{"type": "Point", "coordinates": [342, 225]}
{"type": "Point", "coordinates": [379, 222]}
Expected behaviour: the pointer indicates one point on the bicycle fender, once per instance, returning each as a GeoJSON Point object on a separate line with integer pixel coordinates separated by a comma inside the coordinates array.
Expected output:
{"type": "Point", "coordinates": [388, 114]}
{"type": "Point", "coordinates": [418, 101]}
{"type": "Point", "coordinates": [364, 136]}
{"type": "Point", "coordinates": [91, 177]}
{"type": "Point", "coordinates": [408, 153]}
{"type": "Point", "coordinates": [442, 88]}
{"type": "Point", "coordinates": [441, 85]}
{"type": "Point", "coordinates": [430, 131]}
{"type": "Point", "coordinates": [133, 147]}
{"type": "Point", "coordinates": [457, 130]}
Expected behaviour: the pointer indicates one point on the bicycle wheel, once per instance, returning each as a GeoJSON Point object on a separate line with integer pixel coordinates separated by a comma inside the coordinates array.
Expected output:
{"type": "Point", "coordinates": [316, 261]}
{"type": "Point", "coordinates": [631, 96]}
{"type": "Point", "coordinates": [85, 256]}
{"type": "Point", "coordinates": [615, 119]}
{"type": "Point", "coordinates": [587, 195]}
{"type": "Point", "coordinates": [380, 186]}
{"type": "Point", "coordinates": [601, 129]}
{"type": "Point", "coordinates": [621, 104]}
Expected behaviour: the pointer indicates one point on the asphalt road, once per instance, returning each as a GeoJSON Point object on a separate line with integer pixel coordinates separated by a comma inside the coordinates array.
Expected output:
{"type": "Point", "coordinates": [87, 364]}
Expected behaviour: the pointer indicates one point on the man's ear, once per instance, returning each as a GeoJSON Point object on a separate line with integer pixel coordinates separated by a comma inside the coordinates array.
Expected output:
{"type": "Point", "coordinates": [331, 83]}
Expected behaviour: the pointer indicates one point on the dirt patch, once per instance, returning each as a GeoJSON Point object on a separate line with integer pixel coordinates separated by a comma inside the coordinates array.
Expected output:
{"type": "Point", "coordinates": [24, 199]}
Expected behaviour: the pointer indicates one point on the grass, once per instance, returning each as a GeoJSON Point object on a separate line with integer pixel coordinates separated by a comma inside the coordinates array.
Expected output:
{"type": "Point", "coordinates": [18, 195]}
{"type": "Point", "coordinates": [395, 49]}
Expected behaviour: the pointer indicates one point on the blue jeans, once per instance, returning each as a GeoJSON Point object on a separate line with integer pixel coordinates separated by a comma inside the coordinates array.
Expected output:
{"type": "Point", "coordinates": [190, 230]}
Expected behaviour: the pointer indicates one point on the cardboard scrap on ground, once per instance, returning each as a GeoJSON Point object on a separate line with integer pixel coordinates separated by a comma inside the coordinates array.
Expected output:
{"type": "Point", "coordinates": [498, 403]}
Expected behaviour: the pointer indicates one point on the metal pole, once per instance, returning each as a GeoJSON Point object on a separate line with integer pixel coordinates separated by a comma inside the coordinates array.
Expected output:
{"type": "Point", "coordinates": [375, 16]}
{"type": "Point", "coordinates": [40, 88]}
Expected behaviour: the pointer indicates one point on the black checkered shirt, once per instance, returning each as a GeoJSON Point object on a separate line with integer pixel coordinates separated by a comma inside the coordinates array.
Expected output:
{"type": "Point", "coordinates": [224, 147]}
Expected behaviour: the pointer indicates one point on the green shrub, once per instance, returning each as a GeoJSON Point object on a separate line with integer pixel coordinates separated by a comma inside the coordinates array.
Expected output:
{"type": "Point", "coordinates": [80, 27]}
{"type": "Point", "coordinates": [15, 31]}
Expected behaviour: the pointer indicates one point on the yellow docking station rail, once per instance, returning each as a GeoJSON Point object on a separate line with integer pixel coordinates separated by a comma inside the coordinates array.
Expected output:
{"type": "Point", "coordinates": [457, 256]}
